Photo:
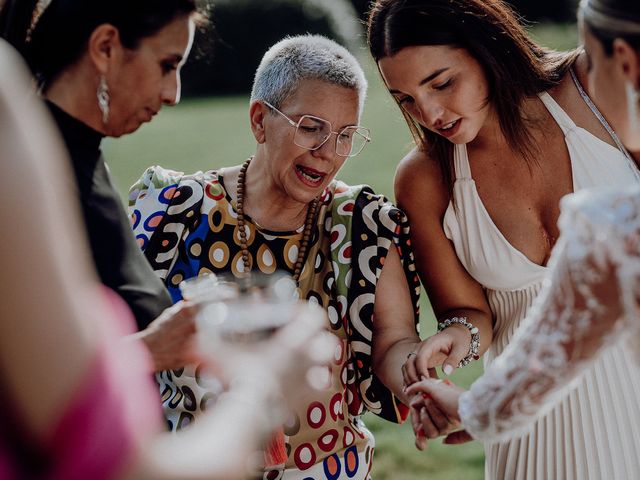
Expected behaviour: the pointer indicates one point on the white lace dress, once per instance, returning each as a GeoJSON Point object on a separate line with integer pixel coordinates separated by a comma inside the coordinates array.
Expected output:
{"type": "Point", "coordinates": [590, 302]}
{"type": "Point", "coordinates": [594, 431]}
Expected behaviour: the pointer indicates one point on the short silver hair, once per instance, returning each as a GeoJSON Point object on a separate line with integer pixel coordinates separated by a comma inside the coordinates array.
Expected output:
{"type": "Point", "coordinates": [306, 57]}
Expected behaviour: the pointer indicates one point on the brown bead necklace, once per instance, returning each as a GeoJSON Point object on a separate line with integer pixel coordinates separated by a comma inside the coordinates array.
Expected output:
{"type": "Point", "coordinates": [242, 229]}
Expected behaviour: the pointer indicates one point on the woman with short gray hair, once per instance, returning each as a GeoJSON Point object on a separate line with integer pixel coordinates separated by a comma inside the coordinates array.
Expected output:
{"type": "Point", "coordinates": [291, 60]}
{"type": "Point", "coordinates": [282, 209]}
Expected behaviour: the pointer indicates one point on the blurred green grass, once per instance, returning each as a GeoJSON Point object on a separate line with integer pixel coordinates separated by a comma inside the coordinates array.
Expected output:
{"type": "Point", "coordinates": [201, 134]}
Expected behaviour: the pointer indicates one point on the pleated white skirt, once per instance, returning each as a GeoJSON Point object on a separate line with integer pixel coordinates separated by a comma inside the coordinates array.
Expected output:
{"type": "Point", "coordinates": [592, 433]}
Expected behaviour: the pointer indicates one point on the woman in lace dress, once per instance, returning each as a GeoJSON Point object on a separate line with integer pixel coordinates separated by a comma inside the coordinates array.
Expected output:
{"type": "Point", "coordinates": [591, 300]}
{"type": "Point", "coordinates": [504, 130]}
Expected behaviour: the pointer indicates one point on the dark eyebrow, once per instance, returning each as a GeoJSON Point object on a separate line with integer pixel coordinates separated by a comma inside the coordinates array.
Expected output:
{"type": "Point", "coordinates": [427, 79]}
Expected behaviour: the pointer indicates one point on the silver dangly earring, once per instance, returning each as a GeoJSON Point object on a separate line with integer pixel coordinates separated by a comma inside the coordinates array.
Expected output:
{"type": "Point", "coordinates": [633, 96]}
{"type": "Point", "coordinates": [103, 98]}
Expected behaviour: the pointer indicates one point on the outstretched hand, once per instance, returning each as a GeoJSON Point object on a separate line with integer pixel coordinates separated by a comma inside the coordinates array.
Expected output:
{"type": "Point", "coordinates": [434, 406]}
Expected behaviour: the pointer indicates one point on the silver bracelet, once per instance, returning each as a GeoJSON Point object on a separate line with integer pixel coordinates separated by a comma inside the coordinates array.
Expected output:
{"type": "Point", "coordinates": [474, 348]}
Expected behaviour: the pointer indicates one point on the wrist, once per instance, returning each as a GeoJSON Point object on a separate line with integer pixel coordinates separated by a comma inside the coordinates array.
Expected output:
{"type": "Point", "coordinates": [474, 340]}
{"type": "Point", "coordinates": [148, 340]}
{"type": "Point", "coordinates": [457, 330]}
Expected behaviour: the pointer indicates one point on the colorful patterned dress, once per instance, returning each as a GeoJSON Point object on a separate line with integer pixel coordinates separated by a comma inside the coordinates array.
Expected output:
{"type": "Point", "coordinates": [187, 226]}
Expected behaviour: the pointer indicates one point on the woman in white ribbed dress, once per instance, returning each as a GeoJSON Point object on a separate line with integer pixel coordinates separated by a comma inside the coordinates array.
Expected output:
{"type": "Point", "coordinates": [591, 300]}
{"type": "Point", "coordinates": [504, 130]}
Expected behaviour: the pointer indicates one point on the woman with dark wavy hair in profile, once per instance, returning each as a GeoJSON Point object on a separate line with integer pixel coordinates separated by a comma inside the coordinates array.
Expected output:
{"type": "Point", "coordinates": [592, 298]}
{"type": "Point", "coordinates": [504, 129]}
{"type": "Point", "coordinates": [105, 67]}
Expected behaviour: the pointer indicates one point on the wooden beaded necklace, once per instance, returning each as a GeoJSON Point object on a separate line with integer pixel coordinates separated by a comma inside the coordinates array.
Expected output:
{"type": "Point", "coordinates": [242, 228]}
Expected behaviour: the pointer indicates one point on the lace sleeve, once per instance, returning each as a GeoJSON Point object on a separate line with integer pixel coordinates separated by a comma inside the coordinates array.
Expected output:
{"type": "Point", "coordinates": [589, 299]}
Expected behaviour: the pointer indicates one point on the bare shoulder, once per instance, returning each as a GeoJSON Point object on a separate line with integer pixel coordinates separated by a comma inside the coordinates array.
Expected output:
{"type": "Point", "coordinates": [418, 184]}
{"type": "Point", "coordinates": [419, 175]}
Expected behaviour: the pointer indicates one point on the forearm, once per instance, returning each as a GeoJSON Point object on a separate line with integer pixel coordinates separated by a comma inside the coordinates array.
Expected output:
{"type": "Point", "coordinates": [395, 335]}
{"type": "Point", "coordinates": [589, 301]}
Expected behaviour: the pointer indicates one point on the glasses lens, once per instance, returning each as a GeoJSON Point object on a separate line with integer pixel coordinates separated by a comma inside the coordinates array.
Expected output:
{"type": "Point", "coordinates": [311, 132]}
{"type": "Point", "coordinates": [351, 141]}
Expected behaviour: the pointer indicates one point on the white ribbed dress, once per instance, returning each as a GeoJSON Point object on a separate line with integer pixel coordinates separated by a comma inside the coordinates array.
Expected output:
{"type": "Point", "coordinates": [594, 431]}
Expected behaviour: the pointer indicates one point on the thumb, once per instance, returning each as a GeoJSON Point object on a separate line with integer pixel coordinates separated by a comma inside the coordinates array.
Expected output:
{"type": "Point", "coordinates": [458, 352]}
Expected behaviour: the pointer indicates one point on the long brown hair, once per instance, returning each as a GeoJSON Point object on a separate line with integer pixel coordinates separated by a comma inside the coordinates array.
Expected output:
{"type": "Point", "coordinates": [515, 66]}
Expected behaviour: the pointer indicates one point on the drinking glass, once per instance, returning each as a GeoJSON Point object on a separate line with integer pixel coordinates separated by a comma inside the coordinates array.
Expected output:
{"type": "Point", "coordinates": [235, 318]}
{"type": "Point", "coordinates": [245, 310]}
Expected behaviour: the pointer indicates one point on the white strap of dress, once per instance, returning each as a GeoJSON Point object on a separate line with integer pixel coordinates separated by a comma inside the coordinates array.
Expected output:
{"type": "Point", "coordinates": [461, 162]}
{"type": "Point", "coordinates": [558, 114]}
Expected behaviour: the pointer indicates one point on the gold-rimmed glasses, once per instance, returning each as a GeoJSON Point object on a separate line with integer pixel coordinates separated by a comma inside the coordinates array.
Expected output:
{"type": "Point", "coordinates": [313, 132]}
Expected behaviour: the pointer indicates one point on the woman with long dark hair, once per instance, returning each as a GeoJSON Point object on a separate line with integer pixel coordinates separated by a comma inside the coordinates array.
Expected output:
{"type": "Point", "coordinates": [592, 298]}
{"type": "Point", "coordinates": [503, 129]}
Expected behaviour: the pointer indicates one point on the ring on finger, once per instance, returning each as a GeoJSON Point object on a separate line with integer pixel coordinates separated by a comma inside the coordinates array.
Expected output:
{"type": "Point", "coordinates": [412, 353]}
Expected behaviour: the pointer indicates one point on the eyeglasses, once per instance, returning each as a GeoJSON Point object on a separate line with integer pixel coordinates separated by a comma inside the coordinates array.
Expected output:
{"type": "Point", "coordinates": [313, 132]}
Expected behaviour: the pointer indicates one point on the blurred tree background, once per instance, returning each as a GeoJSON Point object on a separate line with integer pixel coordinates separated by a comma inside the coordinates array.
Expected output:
{"type": "Point", "coordinates": [241, 31]}
{"type": "Point", "coordinates": [533, 10]}
{"type": "Point", "coordinates": [229, 50]}
{"type": "Point", "coordinates": [209, 129]}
